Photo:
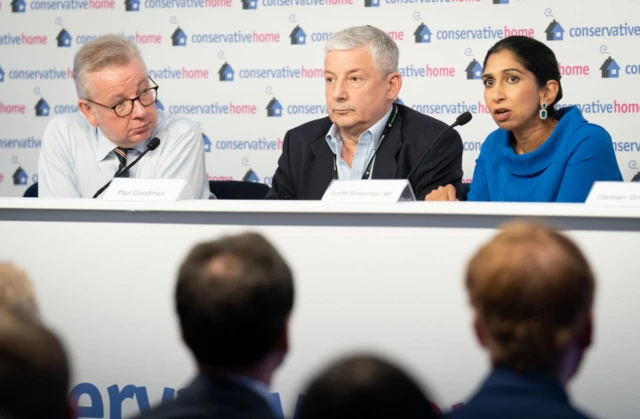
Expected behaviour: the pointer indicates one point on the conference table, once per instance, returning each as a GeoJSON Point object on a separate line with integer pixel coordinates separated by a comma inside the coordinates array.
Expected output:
{"type": "Point", "coordinates": [386, 279]}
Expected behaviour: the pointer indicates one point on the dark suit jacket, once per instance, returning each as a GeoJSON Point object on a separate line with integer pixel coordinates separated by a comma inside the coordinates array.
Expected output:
{"type": "Point", "coordinates": [506, 394]}
{"type": "Point", "coordinates": [213, 397]}
{"type": "Point", "coordinates": [306, 165]}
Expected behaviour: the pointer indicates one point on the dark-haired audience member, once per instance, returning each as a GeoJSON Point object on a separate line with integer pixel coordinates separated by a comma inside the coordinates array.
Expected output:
{"type": "Point", "coordinates": [17, 294]}
{"type": "Point", "coordinates": [538, 153]}
{"type": "Point", "coordinates": [532, 292]}
{"type": "Point", "coordinates": [365, 387]}
{"type": "Point", "coordinates": [34, 371]}
{"type": "Point", "coordinates": [234, 297]}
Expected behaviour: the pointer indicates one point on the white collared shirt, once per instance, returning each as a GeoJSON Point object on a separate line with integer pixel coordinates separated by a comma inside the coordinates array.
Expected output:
{"type": "Point", "coordinates": [365, 149]}
{"type": "Point", "coordinates": [76, 159]}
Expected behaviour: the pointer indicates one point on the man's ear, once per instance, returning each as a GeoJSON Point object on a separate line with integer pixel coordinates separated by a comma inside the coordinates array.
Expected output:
{"type": "Point", "coordinates": [585, 335]}
{"type": "Point", "coordinates": [283, 344]}
{"type": "Point", "coordinates": [394, 83]}
{"type": "Point", "coordinates": [479, 330]}
{"type": "Point", "coordinates": [88, 112]}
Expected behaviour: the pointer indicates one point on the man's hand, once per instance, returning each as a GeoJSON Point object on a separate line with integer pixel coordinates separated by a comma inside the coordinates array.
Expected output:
{"type": "Point", "coordinates": [443, 193]}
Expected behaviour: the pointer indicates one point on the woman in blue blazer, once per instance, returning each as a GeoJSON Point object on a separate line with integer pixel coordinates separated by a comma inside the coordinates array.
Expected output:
{"type": "Point", "coordinates": [538, 153]}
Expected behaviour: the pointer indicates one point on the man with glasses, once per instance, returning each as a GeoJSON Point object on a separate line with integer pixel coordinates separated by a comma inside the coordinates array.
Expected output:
{"type": "Point", "coordinates": [82, 151]}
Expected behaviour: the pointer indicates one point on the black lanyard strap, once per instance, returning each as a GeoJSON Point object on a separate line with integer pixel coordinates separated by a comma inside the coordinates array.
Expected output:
{"type": "Point", "coordinates": [367, 173]}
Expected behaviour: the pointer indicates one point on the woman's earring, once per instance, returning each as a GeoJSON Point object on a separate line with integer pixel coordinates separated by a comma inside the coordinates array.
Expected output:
{"type": "Point", "coordinates": [543, 111]}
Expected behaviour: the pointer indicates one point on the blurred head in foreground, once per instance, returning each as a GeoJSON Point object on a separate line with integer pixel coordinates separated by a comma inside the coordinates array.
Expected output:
{"type": "Point", "coordinates": [34, 371]}
{"type": "Point", "coordinates": [532, 292]}
{"type": "Point", "coordinates": [365, 387]}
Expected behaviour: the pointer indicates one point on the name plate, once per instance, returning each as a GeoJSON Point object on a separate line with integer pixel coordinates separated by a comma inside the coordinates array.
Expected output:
{"type": "Point", "coordinates": [615, 194]}
{"type": "Point", "coordinates": [369, 191]}
{"type": "Point", "coordinates": [158, 190]}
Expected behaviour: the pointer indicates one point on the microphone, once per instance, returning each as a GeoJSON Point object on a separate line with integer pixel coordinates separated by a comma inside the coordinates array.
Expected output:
{"type": "Point", "coordinates": [462, 119]}
{"type": "Point", "coordinates": [152, 145]}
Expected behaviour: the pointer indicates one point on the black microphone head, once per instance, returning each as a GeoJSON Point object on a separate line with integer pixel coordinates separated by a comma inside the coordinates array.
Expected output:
{"type": "Point", "coordinates": [464, 118]}
{"type": "Point", "coordinates": [154, 143]}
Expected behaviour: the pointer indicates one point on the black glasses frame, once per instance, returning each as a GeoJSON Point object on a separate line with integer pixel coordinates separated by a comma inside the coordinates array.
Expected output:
{"type": "Point", "coordinates": [113, 108]}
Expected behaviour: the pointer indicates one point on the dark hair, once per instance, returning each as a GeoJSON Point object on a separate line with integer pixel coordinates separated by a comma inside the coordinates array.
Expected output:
{"type": "Point", "coordinates": [365, 387]}
{"type": "Point", "coordinates": [536, 57]}
{"type": "Point", "coordinates": [34, 371]}
{"type": "Point", "coordinates": [233, 297]}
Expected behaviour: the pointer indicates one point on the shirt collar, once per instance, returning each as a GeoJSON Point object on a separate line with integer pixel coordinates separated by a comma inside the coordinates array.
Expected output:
{"type": "Point", "coordinates": [105, 146]}
{"type": "Point", "coordinates": [375, 132]}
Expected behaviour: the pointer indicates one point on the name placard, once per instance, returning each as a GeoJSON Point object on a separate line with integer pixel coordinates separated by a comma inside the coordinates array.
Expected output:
{"type": "Point", "coordinates": [615, 194]}
{"type": "Point", "coordinates": [158, 190]}
{"type": "Point", "coordinates": [369, 191]}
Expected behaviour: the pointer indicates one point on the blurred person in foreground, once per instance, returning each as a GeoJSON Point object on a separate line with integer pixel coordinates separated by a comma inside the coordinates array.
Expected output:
{"type": "Point", "coordinates": [365, 387]}
{"type": "Point", "coordinates": [34, 371]}
{"type": "Point", "coordinates": [532, 293]}
{"type": "Point", "coordinates": [17, 293]}
{"type": "Point", "coordinates": [234, 297]}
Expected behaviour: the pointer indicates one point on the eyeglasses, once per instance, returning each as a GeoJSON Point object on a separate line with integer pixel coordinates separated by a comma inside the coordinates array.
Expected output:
{"type": "Point", "coordinates": [125, 107]}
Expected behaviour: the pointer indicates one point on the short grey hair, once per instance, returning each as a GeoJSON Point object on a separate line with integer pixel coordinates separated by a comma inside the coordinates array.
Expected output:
{"type": "Point", "coordinates": [384, 51]}
{"type": "Point", "coordinates": [104, 51]}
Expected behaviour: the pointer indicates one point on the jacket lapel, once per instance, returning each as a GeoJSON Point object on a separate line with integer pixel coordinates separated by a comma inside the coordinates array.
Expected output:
{"type": "Point", "coordinates": [386, 164]}
{"type": "Point", "coordinates": [316, 176]}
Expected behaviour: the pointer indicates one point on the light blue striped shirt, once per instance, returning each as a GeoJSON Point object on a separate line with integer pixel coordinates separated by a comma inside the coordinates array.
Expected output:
{"type": "Point", "coordinates": [365, 149]}
{"type": "Point", "coordinates": [76, 159]}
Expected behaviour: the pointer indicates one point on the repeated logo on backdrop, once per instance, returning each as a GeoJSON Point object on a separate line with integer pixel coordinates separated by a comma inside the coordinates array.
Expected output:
{"type": "Point", "coordinates": [246, 73]}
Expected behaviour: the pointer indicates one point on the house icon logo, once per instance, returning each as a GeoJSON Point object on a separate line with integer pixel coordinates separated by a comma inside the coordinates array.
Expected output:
{"type": "Point", "coordinates": [179, 38]}
{"type": "Point", "coordinates": [274, 108]}
{"type": "Point", "coordinates": [554, 31]}
{"type": "Point", "coordinates": [132, 5]}
{"type": "Point", "coordinates": [474, 70]}
{"type": "Point", "coordinates": [371, 3]}
{"type": "Point", "coordinates": [226, 72]}
{"type": "Point", "coordinates": [249, 4]}
{"type": "Point", "coordinates": [42, 108]}
{"type": "Point", "coordinates": [500, 1]}
{"type": "Point", "coordinates": [610, 69]}
{"type": "Point", "coordinates": [20, 177]}
{"type": "Point", "coordinates": [1, 75]}
{"type": "Point", "coordinates": [298, 37]}
{"type": "Point", "coordinates": [64, 39]}
{"type": "Point", "coordinates": [422, 34]}
{"type": "Point", "coordinates": [251, 176]}
{"type": "Point", "coordinates": [159, 105]}
{"type": "Point", "coordinates": [207, 143]}
{"type": "Point", "coordinates": [18, 6]}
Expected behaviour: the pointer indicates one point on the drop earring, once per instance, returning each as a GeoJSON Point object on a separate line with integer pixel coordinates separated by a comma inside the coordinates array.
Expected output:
{"type": "Point", "coordinates": [543, 111]}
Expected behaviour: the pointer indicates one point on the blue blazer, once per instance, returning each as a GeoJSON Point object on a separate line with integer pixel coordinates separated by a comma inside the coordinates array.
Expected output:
{"type": "Point", "coordinates": [506, 394]}
{"type": "Point", "coordinates": [213, 397]}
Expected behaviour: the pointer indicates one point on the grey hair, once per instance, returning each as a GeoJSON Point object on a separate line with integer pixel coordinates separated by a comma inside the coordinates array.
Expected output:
{"type": "Point", "coordinates": [384, 51]}
{"type": "Point", "coordinates": [104, 51]}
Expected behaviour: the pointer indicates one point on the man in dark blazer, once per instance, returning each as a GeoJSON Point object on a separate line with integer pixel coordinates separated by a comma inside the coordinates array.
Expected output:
{"type": "Point", "coordinates": [532, 294]}
{"type": "Point", "coordinates": [234, 297]}
{"type": "Point", "coordinates": [366, 135]}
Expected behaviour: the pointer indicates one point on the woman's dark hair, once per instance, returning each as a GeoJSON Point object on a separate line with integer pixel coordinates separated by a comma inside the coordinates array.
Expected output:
{"type": "Point", "coordinates": [536, 57]}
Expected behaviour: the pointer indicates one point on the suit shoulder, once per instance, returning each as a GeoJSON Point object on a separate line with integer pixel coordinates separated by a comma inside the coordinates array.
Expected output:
{"type": "Point", "coordinates": [413, 118]}
{"type": "Point", "coordinates": [311, 130]}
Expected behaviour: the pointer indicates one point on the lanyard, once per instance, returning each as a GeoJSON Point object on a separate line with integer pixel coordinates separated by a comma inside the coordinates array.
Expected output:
{"type": "Point", "coordinates": [367, 173]}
